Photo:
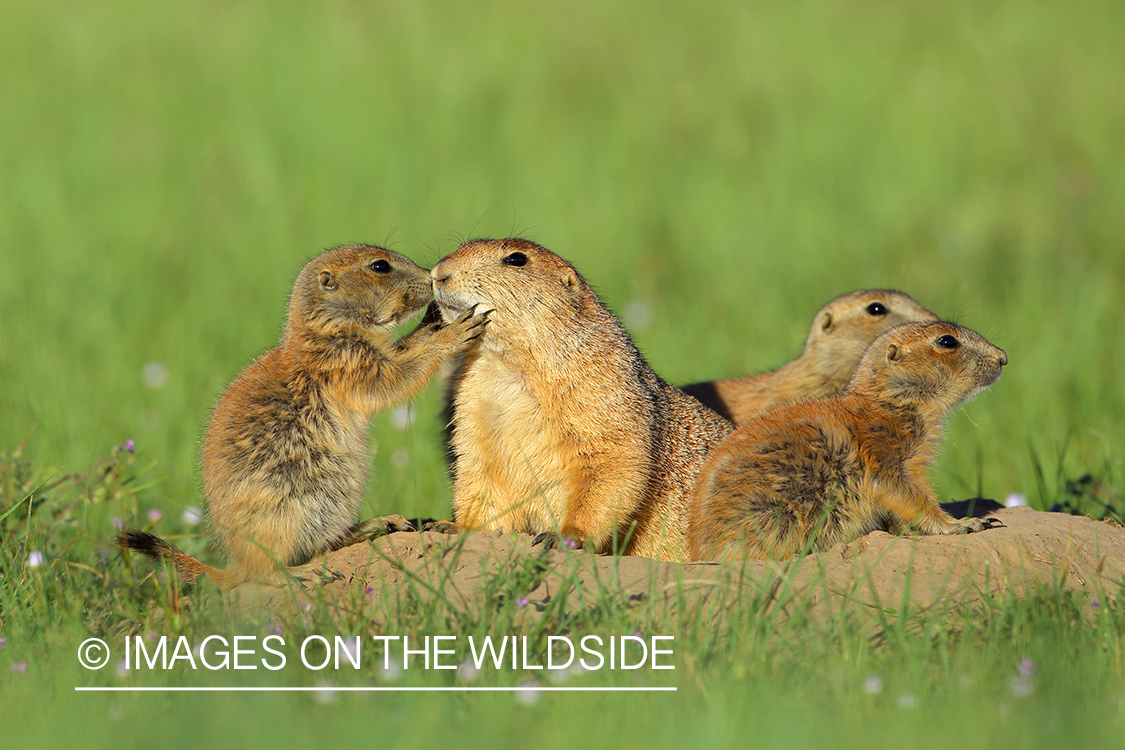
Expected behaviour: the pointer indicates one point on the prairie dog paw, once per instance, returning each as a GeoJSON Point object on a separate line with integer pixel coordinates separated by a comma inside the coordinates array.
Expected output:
{"type": "Point", "coordinates": [469, 326]}
{"type": "Point", "coordinates": [970, 525]}
{"type": "Point", "coordinates": [554, 540]}
{"type": "Point", "coordinates": [441, 526]}
{"type": "Point", "coordinates": [380, 525]}
{"type": "Point", "coordinates": [313, 575]}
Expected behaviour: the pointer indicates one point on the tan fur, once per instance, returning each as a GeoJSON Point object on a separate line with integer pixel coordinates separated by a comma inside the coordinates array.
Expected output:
{"type": "Point", "coordinates": [559, 424]}
{"type": "Point", "coordinates": [187, 567]}
{"type": "Point", "coordinates": [840, 333]}
{"type": "Point", "coordinates": [803, 477]}
{"type": "Point", "coordinates": [286, 453]}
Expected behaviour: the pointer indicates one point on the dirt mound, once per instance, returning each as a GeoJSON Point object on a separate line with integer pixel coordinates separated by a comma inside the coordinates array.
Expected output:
{"type": "Point", "coordinates": [878, 570]}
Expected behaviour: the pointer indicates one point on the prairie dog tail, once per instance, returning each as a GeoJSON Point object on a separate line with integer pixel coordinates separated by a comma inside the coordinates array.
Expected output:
{"type": "Point", "coordinates": [159, 550]}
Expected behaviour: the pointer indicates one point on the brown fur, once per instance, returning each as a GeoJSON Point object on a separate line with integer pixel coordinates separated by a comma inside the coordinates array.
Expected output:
{"type": "Point", "coordinates": [187, 567]}
{"type": "Point", "coordinates": [286, 453]}
{"type": "Point", "coordinates": [806, 476]}
{"type": "Point", "coordinates": [559, 424]}
{"type": "Point", "coordinates": [840, 333]}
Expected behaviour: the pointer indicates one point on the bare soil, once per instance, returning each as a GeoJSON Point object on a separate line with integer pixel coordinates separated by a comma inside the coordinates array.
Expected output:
{"type": "Point", "coordinates": [878, 570]}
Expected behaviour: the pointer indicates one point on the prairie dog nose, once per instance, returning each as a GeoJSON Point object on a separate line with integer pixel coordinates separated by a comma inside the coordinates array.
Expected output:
{"type": "Point", "coordinates": [1003, 358]}
{"type": "Point", "coordinates": [439, 275]}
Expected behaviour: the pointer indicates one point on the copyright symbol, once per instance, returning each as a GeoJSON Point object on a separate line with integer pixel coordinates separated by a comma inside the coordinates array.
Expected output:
{"type": "Point", "coordinates": [93, 653]}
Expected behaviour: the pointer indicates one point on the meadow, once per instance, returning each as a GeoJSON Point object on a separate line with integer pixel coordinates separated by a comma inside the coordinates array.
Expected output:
{"type": "Point", "coordinates": [716, 172]}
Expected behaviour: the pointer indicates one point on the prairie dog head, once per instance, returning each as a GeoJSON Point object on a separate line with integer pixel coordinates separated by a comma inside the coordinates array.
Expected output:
{"type": "Point", "coordinates": [358, 285]}
{"type": "Point", "coordinates": [846, 326]}
{"type": "Point", "coordinates": [529, 289]}
{"type": "Point", "coordinates": [933, 364]}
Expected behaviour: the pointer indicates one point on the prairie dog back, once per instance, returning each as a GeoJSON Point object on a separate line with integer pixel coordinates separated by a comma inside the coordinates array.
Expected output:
{"type": "Point", "coordinates": [837, 339]}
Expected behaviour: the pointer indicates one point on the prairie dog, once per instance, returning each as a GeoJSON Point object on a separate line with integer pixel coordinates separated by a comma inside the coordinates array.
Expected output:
{"type": "Point", "coordinates": [286, 452]}
{"type": "Point", "coordinates": [559, 426]}
{"type": "Point", "coordinates": [840, 333]}
{"type": "Point", "coordinates": [806, 476]}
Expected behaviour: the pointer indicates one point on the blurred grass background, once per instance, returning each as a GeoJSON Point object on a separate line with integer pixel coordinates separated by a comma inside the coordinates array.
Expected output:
{"type": "Point", "coordinates": [717, 172]}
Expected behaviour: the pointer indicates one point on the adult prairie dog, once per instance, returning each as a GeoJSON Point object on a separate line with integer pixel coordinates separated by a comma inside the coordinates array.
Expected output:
{"type": "Point", "coordinates": [803, 477]}
{"type": "Point", "coordinates": [840, 333]}
{"type": "Point", "coordinates": [286, 453]}
{"type": "Point", "coordinates": [559, 426]}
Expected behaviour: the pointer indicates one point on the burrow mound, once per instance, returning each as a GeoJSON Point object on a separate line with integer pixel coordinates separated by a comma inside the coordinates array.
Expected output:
{"type": "Point", "coordinates": [876, 571]}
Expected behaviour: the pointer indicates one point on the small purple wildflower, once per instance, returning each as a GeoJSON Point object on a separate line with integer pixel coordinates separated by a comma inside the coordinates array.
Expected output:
{"type": "Point", "coordinates": [521, 601]}
{"type": "Point", "coordinates": [1021, 686]}
{"type": "Point", "coordinates": [35, 559]}
{"type": "Point", "coordinates": [307, 606]}
{"type": "Point", "coordinates": [528, 693]}
{"type": "Point", "coordinates": [118, 523]}
{"type": "Point", "coordinates": [569, 543]}
{"type": "Point", "coordinates": [351, 645]}
{"type": "Point", "coordinates": [873, 684]}
{"type": "Point", "coordinates": [154, 375]}
{"type": "Point", "coordinates": [192, 516]}
{"type": "Point", "coordinates": [369, 591]}
{"type": "Point", "coordinates": [403, 416]}
{"type": "Point", "coordinates": [19, 667]}
{"type": "Point", "coordinates": [275, 629]}
{"type": "Point", "coordinates": [130, 445]}
{"type": "Point", "coordinates": [324, 692]}
{"type": "Point", "coordinates": [468, 671]}
{"type": "Point", "coordinates": [3, 642]}
{"type": "Point", "coordinates": [1027, 667]}
{"type": "Point", "coordinates": [578, 668]}
{"type": "Point", "coordinates": [1095, 602]}
{"type": "Point", "coordinates": [558, 676]}
{"type": "Point", "coordinates": [154, 515]}
{"type": "Point", "coordinates": [390, 671]}
{"type": "Point", "coordinates": [637, 314]}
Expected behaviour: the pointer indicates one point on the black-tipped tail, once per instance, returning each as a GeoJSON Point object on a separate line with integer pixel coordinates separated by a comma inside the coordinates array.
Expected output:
{"type": "Point", "coordinates": [147, 544]}
{"type": "Point", "coordinates": [157, 549]}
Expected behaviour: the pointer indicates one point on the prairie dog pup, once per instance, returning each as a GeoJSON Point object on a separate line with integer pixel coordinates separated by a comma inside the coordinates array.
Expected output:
{"type": "Point", "coordinates": [560, 427]}
{"type": "Point", "coordinates": [286, 453]}
{"type": "Point", "coordinates": [840, 333]}
{"type": "Point", "coordinates": [806, 476]}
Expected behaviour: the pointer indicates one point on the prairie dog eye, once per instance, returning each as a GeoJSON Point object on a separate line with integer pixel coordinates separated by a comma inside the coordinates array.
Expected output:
{"type": "Point", "coordinates": [515, 259]}
{"type": "Point", "coordinates": [948, 342]}
{"type": "Point", "coordinates": [379, 266]}
{"type": "Point", "coordinates": [876, 308]}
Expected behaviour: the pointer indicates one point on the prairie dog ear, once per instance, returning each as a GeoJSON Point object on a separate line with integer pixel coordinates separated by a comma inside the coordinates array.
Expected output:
{"type": "Point", "coordinates": [827, 323]}
{"type": "Point", "coordinates": [894, 354]}
{"type": "Point", "coordinates": [327, 280]}
{"type": "Point", "coordinates": [569, 279]}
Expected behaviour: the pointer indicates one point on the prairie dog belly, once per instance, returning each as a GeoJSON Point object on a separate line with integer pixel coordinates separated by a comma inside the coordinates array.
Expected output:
{"type": "Point", "coordinates": [510, 474]}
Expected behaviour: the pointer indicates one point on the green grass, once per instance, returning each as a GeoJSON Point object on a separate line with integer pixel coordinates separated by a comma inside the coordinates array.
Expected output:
{"type": "Point", "coordinates": [165, 170]}
{"type": "Point", "coordinates": [1042, 670]}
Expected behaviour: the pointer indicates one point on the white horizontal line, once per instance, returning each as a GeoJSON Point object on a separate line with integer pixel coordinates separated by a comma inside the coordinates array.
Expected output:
{"type": "Point", "coordinates": [330, 689]}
